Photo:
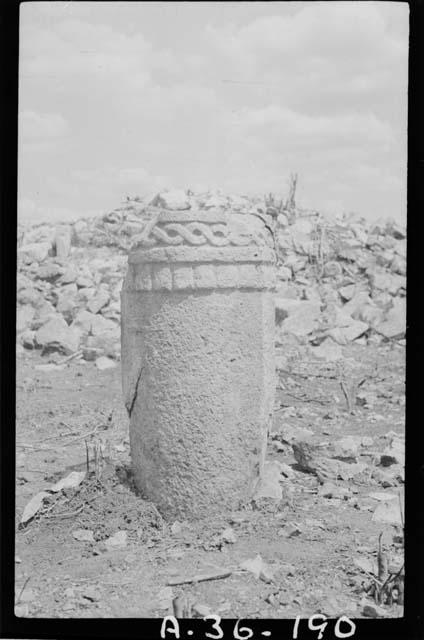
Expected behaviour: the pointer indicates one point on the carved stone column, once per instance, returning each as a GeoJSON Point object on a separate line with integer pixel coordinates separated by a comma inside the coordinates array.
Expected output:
{"type": "Point", "coordinates": [198, 358]}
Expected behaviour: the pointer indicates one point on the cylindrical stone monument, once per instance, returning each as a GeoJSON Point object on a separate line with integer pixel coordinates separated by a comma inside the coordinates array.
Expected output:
{"type": "Point", "coordinates": [198, 358]}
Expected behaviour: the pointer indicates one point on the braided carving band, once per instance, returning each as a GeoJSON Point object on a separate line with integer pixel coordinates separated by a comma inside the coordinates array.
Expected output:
{"type": "Point", "coordinates": [194, 233]}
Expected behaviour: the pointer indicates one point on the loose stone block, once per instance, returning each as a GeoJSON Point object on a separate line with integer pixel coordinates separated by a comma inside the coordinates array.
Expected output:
{"type": "Point", "coordinates": [198, 360]}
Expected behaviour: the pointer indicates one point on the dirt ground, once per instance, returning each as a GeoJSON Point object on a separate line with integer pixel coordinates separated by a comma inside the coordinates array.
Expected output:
{"type": "Point", "coordinates": [308, 542]}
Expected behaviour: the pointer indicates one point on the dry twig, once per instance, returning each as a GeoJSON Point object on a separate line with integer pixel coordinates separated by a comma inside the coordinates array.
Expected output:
{"type": "Point", "coordinates": [201, 577]}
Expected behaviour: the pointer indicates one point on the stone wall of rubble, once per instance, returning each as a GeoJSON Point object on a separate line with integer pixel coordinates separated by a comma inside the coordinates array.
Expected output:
{"type": "Point", "coordinates": [339, 280]}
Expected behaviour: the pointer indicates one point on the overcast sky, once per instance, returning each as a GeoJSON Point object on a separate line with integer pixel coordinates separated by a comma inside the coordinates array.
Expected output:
{"type": "Point", "coordinates": [124, 99]}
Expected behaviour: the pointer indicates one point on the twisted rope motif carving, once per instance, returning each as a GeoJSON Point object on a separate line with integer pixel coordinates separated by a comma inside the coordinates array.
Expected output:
{"type": "Point", "coordinates": [194, 233]}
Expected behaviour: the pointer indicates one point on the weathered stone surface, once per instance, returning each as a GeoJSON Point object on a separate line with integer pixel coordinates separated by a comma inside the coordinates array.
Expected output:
{"type": "Point", "coordinates": [24, 317]}
{"type": "Point", "coordinates": [100, 325]}
{"type": "Point", "coordinates": [356, 303]}
{"type": "Point", "coordinates": [347, 448]}
{"type": "Point", "coordinates": [107, 343]}
{"type": "Point", "coordinates": [83, 321]}
{"type": "Point", "coordinates": [284, 273]}
{"type": "Point", "coordinates": [175, 199]}
{"type": "Point", "coordinates": [55, 335]}
{"type": "Point", "coordinates": [67, 301]}
{"type": "Point", "coordinates": [297, 317]}
{"type": "Point", "coordinates": [383, 280]}
{"type": "Point", "coordinates": [43, 313]}
{"type": "Point", "coordinates": [104, 363]}
{"type": "Point", "coordinates": [50, 272]}
{"type": "Point", "coordinates": [347, 329]}
{"type": "Point", "coordinates": [84, 282]}
{"type": "Point", "coordinates": [328, 350]}
{"type": "Point", "coordinates": [395, 323]}
{"type": "Point", "coordinates": [332, 269]}
{"type": "Point", "coordinates": [347, 292]}
{"type": "Point", "coordinates": [69, 276]}
{"type": "Point", "coordinates": [268, 486]}
{"type": "Point", "coordinates": [394, 453]}
{"type": "Point", "coordinates": [215, 201]}
{"type": "Point", "coordinates": [34, 252]}
{"type": "Point", "coordinates": [62, 241]}
{"type": "Point", "coordinates": [398, 265]}
{"type": "Point", "coordinates": [198, 362]}
{"type": "Point", "coordinates": [98, 301]}
{"type": "Point", "coordinates": [370, 314]}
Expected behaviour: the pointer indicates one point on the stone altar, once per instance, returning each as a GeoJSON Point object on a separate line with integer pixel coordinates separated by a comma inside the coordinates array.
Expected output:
{"type": "Point", "coordinates": [198, 358]}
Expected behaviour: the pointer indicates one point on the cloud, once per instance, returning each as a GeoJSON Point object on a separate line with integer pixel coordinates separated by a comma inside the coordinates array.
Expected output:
{"type": "Point", "coordinates": [79, 48]}
{"type": "Point", "coordinates": [239, 98]}
{"type": "Point", "coordinates": [321, 30]}
{"type": "Point", "coordinates": [327, 52]}
{"type": "Point", "coordinates": [135, 175]}
{"type": "Point", "coordinates": [279, 125]}
{"type": "Point", "coordinates": [30, 210]}
{"type": "Point", "coordinates": [36, 127]}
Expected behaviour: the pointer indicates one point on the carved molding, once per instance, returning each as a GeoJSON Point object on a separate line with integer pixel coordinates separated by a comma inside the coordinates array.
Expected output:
{"type": "Point", "coordinates": [183, 277]}
{"type": "Point", "coordinates": [166, 228]}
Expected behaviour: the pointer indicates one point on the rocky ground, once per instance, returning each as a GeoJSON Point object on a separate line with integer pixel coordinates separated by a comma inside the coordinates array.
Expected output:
{"type": "Point", "coordinates": [324, 532]}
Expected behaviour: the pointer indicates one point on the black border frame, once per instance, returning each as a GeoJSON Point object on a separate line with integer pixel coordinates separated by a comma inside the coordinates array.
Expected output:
{"type": "Point", "coordinates": [411, 626]}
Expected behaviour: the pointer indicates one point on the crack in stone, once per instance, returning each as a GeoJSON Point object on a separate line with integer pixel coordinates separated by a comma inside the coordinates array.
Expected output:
{"type": "Point", "coordinates": [134, 398]}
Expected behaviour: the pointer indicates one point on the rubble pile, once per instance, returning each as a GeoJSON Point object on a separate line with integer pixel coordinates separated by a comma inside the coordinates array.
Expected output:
{"type": "Point", "coordinates": [339, 280]}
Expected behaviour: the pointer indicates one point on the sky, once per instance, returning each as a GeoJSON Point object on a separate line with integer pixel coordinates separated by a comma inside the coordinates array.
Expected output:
{"type": "Point", "coordinates": [122, 99]}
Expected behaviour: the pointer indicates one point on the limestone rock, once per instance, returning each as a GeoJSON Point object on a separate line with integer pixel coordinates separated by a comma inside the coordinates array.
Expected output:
{"type": "Point", "coordinates": [28, 339]}
{"type": "Point", "coordinates": [282, 220]}
{"type": "Point", "coordinates": [394, 453]}
{"type": "Point", "coordinates": [83, 321]}
{"type": "Point", "coordinates": [28, 295]}
{"type": "Point", "coordinates": [50, 272]}
{"type": "Point", "coordinates": [291, 434]}
{"type": "Point", "coordinates": [69, 276]}
{"type": "Point", "coordinates": [347, 292]}
{"type": "Point", "coordinates": [43, 314]}
{"type": "Point", "coordinates": [347, 329]}
{"type": "Point", "coordinates": [98, 301]}
{"type": "Point", "coordinates": [175, 199]}
{"type": "Point", "coordinates": [356, 303]}
{"type": "Point", "coordinates": [396, 229]}
{"type": "Point", "coordinates": [103, 363]}
{"type": "Point", "coordinates": [268, 486]}
{"type": "Point", "coordinates": [395, 323]}
{"type": "Point", "coordinates": [62, 241]}
{"type": "Point", "coordinates": [398, 265]}
{"type": "Point", "coordinates": [347, 448]}
{"type": "Point", "coordinates": [284, 273]}
{"type": "Point", "coordinates": [85, 294]}
{"type": "Point", "coordinates": [100, 326]}
{"type": "Point", "coordinates": [298, 317]}
{"type": "Point", "coordinates": [107, 344]}
{"type": "Point", "coordinates": [24, 316]}
{"type": "Point", "coordinates": [382, 280]}
{"type": "Point", "coordinates": [34, 252]}
{"type": "Point", "coordinates": [328, 350]}
{"type": "Point", "coordinates": [216, 201]}
{"type": "Point", "coordinates": [332, 269]}
{"type": "Point", "coordinates": [314, 459]}
{"type": "Point", "coordinates": [370, 314]}
{"type": "Point", "coordinates": [84, 281]}
{"type": "Point", "coordinates": [112, 311]}
{"type": "Point", "coordinates": [330, 490]}
{"type": "Point", "coordinates": [55, 335]}
{"type": "Point", "coordinates": [67, 301]}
